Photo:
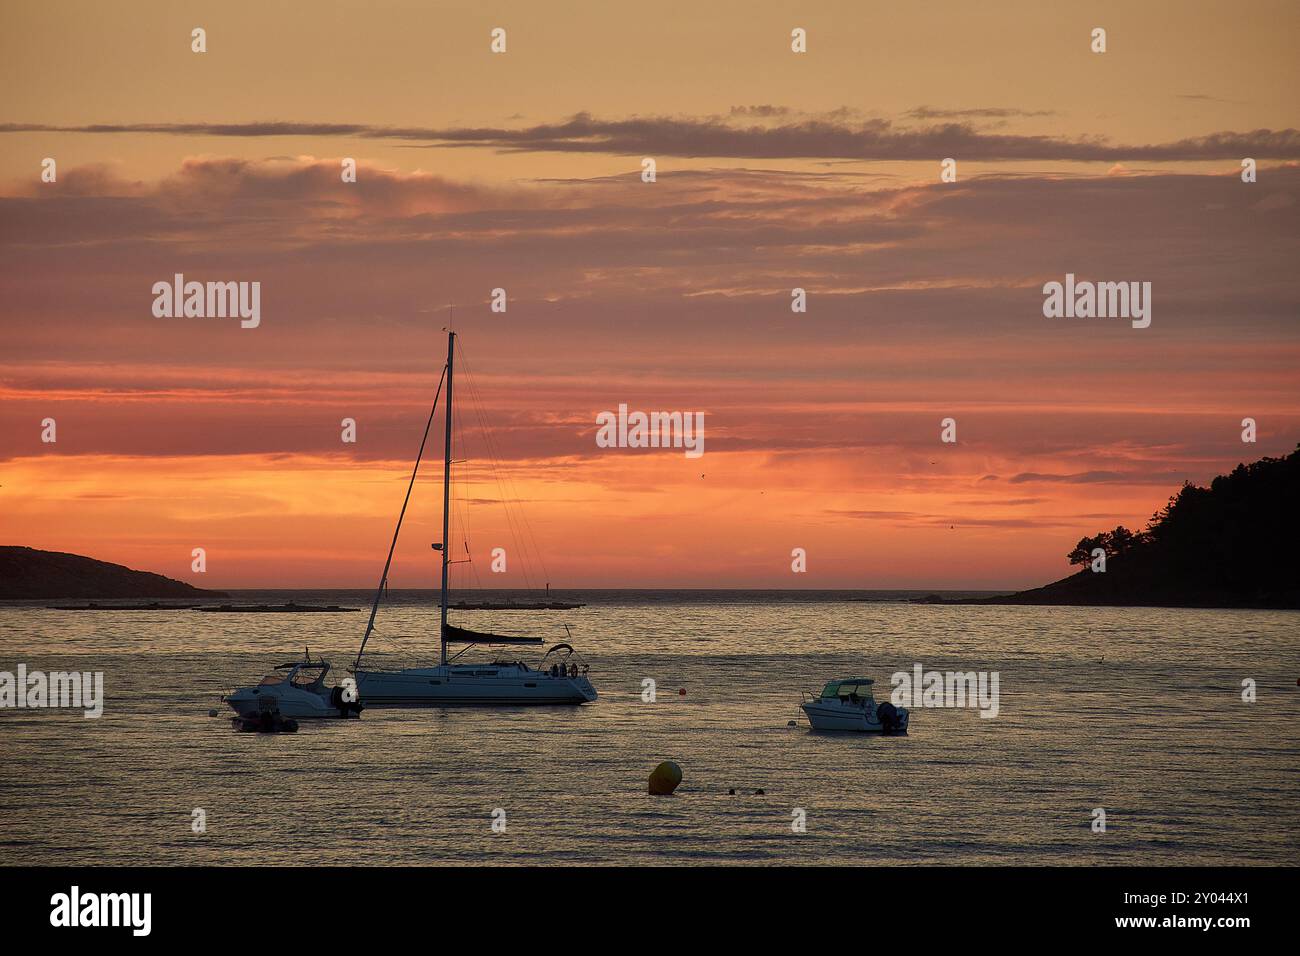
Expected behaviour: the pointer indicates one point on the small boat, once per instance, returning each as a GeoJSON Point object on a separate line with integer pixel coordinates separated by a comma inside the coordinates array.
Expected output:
{"type": "Point", "coordinates": [289, 608]}
{"type": "Point", "coordinates": [267, 722]}
{"type": "Point", "coordinates": [296, 689]}
{"type": "Point", "coordinates": [92, 606]}
{"type": "Point", "coordinates": [509, 605]}
{"type": "Point", "coordinates": [849, 704]}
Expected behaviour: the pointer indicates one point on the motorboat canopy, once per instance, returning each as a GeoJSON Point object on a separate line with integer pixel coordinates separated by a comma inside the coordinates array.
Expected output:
{"type": "Point", "coordinates": [305, 673]}
{"type": "Point", "coordinates": [847, 688]}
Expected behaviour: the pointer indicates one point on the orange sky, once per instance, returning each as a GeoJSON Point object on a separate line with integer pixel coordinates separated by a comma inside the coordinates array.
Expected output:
{"type": "Point", "coordinates": [522, 171]}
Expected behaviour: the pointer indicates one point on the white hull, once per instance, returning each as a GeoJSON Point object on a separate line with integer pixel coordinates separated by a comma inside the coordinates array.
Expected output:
{"type": "Point", "coordinates": [824, 714]}
{"type": "Point", "coordinates": [290, 702]}
{"type": "Point", "coordinates": [470, 685]}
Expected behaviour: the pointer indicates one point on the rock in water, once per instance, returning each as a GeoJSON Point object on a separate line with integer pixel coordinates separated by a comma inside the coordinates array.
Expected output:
{"type": "Point", "coordinates": [665, 778]}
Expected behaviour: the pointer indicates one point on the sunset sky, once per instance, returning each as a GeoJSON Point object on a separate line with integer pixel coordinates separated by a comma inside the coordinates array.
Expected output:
{"type": "Point", "coordinates": [522, 170]}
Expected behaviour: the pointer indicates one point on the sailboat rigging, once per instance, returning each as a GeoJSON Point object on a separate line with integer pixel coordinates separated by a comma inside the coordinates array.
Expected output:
{"type": "Point", "coordinates": [560, 678]}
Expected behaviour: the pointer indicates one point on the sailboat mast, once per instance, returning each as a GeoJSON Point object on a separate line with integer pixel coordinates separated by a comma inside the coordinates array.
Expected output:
{"type": "Point", "coordinates": [446, 503]}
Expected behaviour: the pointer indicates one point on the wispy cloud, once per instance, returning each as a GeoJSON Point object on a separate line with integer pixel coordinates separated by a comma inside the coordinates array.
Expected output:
{"type": "Point", "coordinates": [984, 112]}
{"type": "Point", "coordinates": [819, 138]}
{"type": "Point", "coordinates": [1098, 477]}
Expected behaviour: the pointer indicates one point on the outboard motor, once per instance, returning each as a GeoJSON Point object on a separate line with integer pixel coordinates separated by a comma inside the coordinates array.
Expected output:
{"type": "Point", "coordinates": [887, 714]}
{"type": "Point", "coordinates": [345, 707]}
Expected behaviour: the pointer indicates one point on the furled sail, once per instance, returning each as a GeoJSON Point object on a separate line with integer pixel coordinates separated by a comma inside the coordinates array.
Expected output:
{"type": "Point", "coordinates": [459, 635]}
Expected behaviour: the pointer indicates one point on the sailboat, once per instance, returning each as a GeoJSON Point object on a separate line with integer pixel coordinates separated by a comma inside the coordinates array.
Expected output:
{"type": "Point", "coordinates": [560, 677]}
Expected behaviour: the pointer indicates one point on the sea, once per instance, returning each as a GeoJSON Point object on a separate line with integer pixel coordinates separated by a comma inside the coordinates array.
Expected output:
{"type": "Point", "coordinates": [1149, 736]}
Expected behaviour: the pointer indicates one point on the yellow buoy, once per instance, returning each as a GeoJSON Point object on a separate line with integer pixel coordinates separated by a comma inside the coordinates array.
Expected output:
{"type": "Point", "coordinates": [665, 778]}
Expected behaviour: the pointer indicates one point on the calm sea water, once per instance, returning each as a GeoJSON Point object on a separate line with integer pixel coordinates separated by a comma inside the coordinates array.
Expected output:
{"type": "Point", "coordinates": [1137, 711]}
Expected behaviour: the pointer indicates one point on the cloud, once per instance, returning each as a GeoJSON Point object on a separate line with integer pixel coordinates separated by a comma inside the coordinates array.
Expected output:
{"type": "Point", "coordinates": [1078, 478]}
{"type": "Point", "coordinates": [955, 522]}
{"type": "Point", "coordinates": [827, 137]}
{"type": "Point", "coordinates": [760, 110]}
{"type": "Point", "coordinates": [707, 254]}
{"type": "Point", "coordinates": [925, 300]}
{"type": "Point", "coordinates": [1100, 477]}
{"type": "Point", "coordinates": [988, 112]}
{"type": "Point", "coordinates": [1203, 98]}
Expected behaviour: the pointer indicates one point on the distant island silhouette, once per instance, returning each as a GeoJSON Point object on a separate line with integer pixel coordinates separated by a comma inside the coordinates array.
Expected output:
{"type": "Point", "coordinates": [1232, 544]}
{"type": "Point", "coordinates": [29, 574]}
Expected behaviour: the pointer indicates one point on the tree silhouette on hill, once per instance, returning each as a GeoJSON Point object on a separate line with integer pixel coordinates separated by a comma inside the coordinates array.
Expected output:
{"type": "Point", "coordinates": [1232, 544]}
{"type": "Point", "coordinates": [1112, 543]}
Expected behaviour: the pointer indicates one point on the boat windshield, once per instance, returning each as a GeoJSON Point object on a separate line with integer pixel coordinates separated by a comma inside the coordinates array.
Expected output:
{"type": "Point", "coordinates": [847, 689]}
{"type": "Point", "coordinates": [831, 689]}
{"type": "Point", "coordinates": [307, 676]}
{"type": "Point", "coordinates": [271, 680]}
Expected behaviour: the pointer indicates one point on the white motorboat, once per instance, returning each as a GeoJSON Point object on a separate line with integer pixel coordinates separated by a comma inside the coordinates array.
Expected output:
{"type": "Point", "coordinates": [850, 705]}
{"type": "Point", "coordinates": [560, 677]}
{"type": "Point", "coordinates": [296, 689]}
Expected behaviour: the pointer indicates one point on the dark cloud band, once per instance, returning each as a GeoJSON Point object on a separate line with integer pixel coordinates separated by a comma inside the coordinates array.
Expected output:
{"type": "Point", "coordinates": [717, 137]}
